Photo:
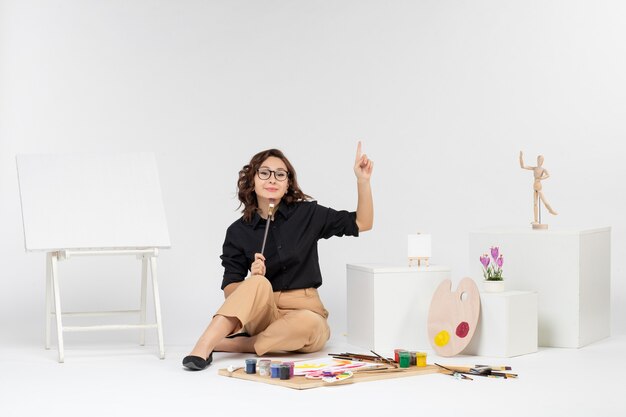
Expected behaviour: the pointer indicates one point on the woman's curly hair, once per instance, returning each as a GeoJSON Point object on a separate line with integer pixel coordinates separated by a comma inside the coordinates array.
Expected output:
{"type": "Point", "coordinates": [245, 183]}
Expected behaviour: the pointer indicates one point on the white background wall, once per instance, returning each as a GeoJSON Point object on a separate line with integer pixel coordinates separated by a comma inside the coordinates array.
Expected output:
{"type": "Point", "coordinates": [443, 93]}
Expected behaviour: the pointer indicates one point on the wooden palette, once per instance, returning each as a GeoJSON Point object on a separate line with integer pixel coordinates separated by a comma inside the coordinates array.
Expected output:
{"type": "Point", "coordinates": [453, 317]}
{"type": "Point", "coordinates": [301, 383]}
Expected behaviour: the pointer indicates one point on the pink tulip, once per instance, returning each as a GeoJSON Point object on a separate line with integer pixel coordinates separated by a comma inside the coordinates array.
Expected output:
{"type": "Point", "coordinates": [500, 261]}
{"type": "Point", "coordinates": [484, 260]}
{"type": "Point", "coordinates": [494, 252]}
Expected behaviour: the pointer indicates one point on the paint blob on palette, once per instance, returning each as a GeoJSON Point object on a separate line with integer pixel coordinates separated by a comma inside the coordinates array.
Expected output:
{"type": "Point", "coordinates": [453, 316]}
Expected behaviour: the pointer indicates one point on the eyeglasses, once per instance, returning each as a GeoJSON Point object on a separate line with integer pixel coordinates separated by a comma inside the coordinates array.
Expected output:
{"type": "Point", "coordinates": [266, 173]}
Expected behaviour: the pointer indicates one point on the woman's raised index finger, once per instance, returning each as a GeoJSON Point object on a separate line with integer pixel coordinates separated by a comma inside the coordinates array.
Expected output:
{"type": "Point", "coordinates": [358, 151]}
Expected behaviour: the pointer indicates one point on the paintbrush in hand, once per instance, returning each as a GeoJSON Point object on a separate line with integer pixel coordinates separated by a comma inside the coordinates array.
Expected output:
{"type": "Point", "coordinates": [270, 215]}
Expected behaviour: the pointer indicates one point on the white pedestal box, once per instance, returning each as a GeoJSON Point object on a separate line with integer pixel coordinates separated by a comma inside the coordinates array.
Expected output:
{"type": "Point", "coordinates": [570, 271]}
{"type": "Point", "coordinates": [507, 325]}
{"type": "Point", "coordinates": [388, 305]}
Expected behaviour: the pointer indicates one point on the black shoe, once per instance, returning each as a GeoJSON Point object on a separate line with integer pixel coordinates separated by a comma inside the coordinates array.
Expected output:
{"type": "Point", "coordinates": [196, 363]}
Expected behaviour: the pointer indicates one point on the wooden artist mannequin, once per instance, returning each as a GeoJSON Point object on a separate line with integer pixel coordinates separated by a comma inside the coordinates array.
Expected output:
{"type": "Point", "coordinates": [540, 173]}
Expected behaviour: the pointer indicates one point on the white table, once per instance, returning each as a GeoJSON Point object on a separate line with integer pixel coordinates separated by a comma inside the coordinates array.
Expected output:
{"type": "Point", "coordinates": [388, 305]}
{"type": "Point", "coordinates": [569, 269]}
{"type": "Point", "coordinates": [507, 325]}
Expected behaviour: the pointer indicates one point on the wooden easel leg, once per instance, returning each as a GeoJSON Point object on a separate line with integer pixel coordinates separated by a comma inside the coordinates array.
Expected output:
{"type": "Point", "coordinates": [144, 286]}
{"type": "Point", "coordinates": [157, 305]}
{"type": "Point", "coordinates": [48, 296]}
{"type": "Point", "coordinates": [57, 304]}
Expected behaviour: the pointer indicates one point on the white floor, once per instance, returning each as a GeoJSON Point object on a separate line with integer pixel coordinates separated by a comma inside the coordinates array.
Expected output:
{"type": "Point", "coordinates": [118, 379]}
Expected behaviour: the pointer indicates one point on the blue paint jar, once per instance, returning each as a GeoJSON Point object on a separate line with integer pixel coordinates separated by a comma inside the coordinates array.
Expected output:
{"type": "Point", "coordinates": [275, 370]}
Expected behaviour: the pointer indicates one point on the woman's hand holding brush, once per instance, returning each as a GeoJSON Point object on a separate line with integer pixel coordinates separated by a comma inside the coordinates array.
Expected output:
{"type": "Point", "coordinates": [258, 266]}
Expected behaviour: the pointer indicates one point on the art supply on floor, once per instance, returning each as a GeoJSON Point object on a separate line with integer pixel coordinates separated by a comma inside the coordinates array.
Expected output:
{"type": "Point", "coordinates": [453, 373]}
{"type": "Point", "coordinates": [251, 366]}
{"type": "Point", "coordinates": [264, 367]}
{"type": "Point", "coordinates": [405, 359]}
{"type": "Point", "coordinates": [275, 370]}
{"type": "Point", "coordinates": [291, 365]}
{"type": "Point", "coordinates": [364, 358]}
{"type": "Point", "coordinates": [316, 367]}
{"type": "Point", "coordinates": [495, 367]}
{"type": "Point", "coordinates": [481, 370]}
{"type": "Point", "coordinates": [453, 316]}
{"type": "Point", "coordinates": [233, 368]}
{"type": "Point", "coordinates": [360, 375]}
{"type": "Point", "coordinates": [337, 376]}
{"type": "Point", "coordinates": [284, 372]}
{"type": "Point", "coordinates": [385, 360]}
{"type": "Point", "coordinates": [420, 359]}
{"type": "Point", "coordinates": [396, 353]}
{"type": "Point", "coordinates": [485, 370]}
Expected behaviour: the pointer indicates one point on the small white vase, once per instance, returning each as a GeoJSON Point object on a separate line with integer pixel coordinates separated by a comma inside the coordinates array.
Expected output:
{"type": "Point", "coordinates": [493, 286]}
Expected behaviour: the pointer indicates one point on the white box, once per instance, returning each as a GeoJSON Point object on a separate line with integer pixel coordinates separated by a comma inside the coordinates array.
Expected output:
{"type": "Point", "coordinates": [569, 269]}
{"type": "Point", "coordinates": [388, 305]}
{"type": "Point", "coordinates": [507, 325]}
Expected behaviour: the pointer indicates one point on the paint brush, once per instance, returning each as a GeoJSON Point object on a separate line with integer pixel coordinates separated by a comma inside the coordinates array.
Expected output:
{"type": "Point", "coordinates": [495, 368]}
{"type": "Point", "coordinates": [454, 373]}
{"type": "Point", "coordinates": [387, 361]}
{"type": "Point", "coordinates": [382, 370]}
{"type": "Point", "coordinates": [503, 375]}
{"type": "Point", "coordinates": [359, 357]}
{"type": "Point", "coordinates": [479, 371]}
{"type": "Point", "coordinates": [489, 371]}
{"type": "Point", "coordinates": [270, 215]}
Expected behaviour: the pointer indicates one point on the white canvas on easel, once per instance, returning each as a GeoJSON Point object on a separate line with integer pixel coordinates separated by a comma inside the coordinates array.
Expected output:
{"type": "Point", "coordinates": [88, 204]}
{"type": "Point", "coordinates": [91, 201]}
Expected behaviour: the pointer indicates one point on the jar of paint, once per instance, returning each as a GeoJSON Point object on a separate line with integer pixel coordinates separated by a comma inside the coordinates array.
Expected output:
{"type": "Point", "coordinates": [275, 370]}
{"type": "Point", "coordinates": [264, 367]}
{"type": "Point", "coordinates": [292, 366]}
{"type": "Point", "coordinates": [251, 366]}
{"type": "Point", "coordinates": [413, 358]}
{"type": "Point", "coordinates": [284, 371]}
{"type": "Point", "coordinates": [396, 353]}
{"type": "Point", "coordinates": [421, 359]}
{"type": "Point", "coordinates": [405, 359]}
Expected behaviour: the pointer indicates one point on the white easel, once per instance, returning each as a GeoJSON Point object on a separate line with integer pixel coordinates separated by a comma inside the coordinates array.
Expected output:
{"type": "Point", "coordinates": [63, 194]}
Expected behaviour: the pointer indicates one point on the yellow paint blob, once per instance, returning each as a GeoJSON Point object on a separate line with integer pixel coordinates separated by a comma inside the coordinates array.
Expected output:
{"type": "Point", "coordinates": [442, 338]}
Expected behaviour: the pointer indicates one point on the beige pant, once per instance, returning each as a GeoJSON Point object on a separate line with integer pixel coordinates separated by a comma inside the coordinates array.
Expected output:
{"type": "Point", "coordinates": [293, 320]}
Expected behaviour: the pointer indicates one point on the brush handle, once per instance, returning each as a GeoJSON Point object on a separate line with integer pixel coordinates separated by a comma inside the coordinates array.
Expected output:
{"type": "Point", "coordinates": [267, 229]}
{"type": "Point", "coordinates": [270, 215]}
